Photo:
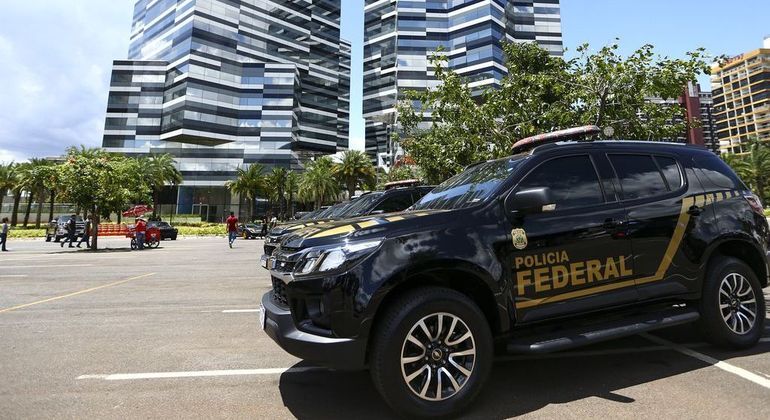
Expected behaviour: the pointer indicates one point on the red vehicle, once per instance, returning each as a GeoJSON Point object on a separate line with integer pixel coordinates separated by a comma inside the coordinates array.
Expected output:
{"type": "Point", "coordinates": [152, 237]}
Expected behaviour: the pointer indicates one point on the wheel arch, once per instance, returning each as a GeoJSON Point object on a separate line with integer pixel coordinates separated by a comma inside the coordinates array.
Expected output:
{"type": "Point", "coordinates": [461, 276]}
{"type": "Point", "coordinates": [745, 251]}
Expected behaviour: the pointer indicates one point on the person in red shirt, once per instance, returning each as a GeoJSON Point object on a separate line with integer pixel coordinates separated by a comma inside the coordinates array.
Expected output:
{"type": "Point", "coordinates": [232, 228]}
{"type": "Point", "coordinates": [141, 229]}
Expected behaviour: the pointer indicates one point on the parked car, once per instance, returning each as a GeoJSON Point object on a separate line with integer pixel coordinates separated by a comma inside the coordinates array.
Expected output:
{"type": "Point", "coordinates": [563, 244]}
{"type": "Point", "coordinates": [250, 230]}
{"type": "Point", "coordinates": [166, 230]}
{"type": "Point", "coordinates": [56, 229]}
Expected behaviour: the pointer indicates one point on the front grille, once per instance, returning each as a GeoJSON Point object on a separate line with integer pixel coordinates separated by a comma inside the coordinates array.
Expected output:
{"type": "Point", "coordinates": [282, 266]}
{"type": "Point", "coordinates": [279, 293]}
{"type": "Point", "coordinates": [269, 249]}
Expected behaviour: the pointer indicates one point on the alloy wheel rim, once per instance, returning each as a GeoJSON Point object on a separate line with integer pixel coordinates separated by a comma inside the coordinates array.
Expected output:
{"type": "Point", "coordinates": [737, 303]}
{"type": "Point", "coordinates": [438, 356]}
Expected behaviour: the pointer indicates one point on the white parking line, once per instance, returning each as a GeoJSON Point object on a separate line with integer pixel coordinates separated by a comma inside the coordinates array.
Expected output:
{"type": "Point", "coordinates": [5, 276]}
{"type": "Point", "coordinates": [241, 311]}
{"type": "Point", "coordinates": [45, 266]}
{"type": "Point", "coordinates": [199, 374]}
{"type": "Point", "coordinates": [743, 373]}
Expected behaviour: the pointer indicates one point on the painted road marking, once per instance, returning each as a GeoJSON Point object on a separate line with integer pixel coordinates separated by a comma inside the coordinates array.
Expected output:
{"type": "Point", "coordinates": [13, 308]}
{"type": "Point", "coordinates": [200, 373]}
{"type": "Point", "coordinates": [6, 276]}
{"type": "Point", "coordinates": [743, 373]}
{"type": "Point", "coordinates": [46, 266]}
{"type": "Point", "coordinates": [240, 311]}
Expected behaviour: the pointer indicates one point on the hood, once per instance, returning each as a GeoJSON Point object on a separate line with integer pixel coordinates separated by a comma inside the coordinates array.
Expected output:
{"type": "Point", "coordinates": [283, 229]}
{"type": "Point", "coordinates": [386, 225]}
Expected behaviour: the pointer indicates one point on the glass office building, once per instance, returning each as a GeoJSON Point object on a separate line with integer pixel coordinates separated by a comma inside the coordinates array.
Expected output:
{"type": "Point", "coordinates": [222, 84]}
{"type": "Point", "coordinates": [401, 35]}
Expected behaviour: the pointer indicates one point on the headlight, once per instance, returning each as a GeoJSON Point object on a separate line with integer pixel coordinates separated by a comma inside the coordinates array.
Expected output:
{"type": "Point", "coordinates": [335, 258]}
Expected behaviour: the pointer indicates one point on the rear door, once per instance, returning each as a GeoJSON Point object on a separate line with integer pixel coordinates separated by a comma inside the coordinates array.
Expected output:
{"type": "Point", "coordinates": [654, 190]}
{"type": "Point", "coordinates": [575, 258]}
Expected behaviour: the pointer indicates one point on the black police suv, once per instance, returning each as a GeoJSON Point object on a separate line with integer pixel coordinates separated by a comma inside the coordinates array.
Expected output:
{"type": "Point", "coordinates": [560, 245]}
{"type": "Point", "coordinates": [378, 202]}
{"type": "Point", "coordinates": [166, 230]}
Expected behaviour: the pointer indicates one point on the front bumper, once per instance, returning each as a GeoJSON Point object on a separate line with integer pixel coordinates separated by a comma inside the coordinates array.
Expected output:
{"type": "Point", "coordinates": [336, 353]}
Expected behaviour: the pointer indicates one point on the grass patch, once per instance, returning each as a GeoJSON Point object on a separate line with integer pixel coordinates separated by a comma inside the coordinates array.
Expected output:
{"type": "Point", "coordinates": [25, 233]}
{"type": "Point", "coordinates": [211, 230]}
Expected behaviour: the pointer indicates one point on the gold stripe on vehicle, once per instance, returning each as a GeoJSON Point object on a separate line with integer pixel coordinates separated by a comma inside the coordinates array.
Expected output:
{"type": "Point", "coordinates": [335, 231]}
{"type": "Point", "coordinates": [394, 218]}
{"type": "Point", "coordinates": [368, 224]}
{"type": "Point", "coordinates": [665, 263]}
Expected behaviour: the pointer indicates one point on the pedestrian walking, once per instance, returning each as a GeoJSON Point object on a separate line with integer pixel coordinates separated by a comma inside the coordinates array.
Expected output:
{"type": "Point", "coordinates": [232, 228]}
{"type": "Point", "coordinates": [4, 234]}
{"type": "Point", "coordinates": [71, 231]}
{"type": "Point", "coordinates": [264, 227]}
{"type": "Point", "coordinates": [86, 233]}
{"type": "Point", "coordinates": [273, 222]}
{"type": "Point", "coordinates": [141, 229]}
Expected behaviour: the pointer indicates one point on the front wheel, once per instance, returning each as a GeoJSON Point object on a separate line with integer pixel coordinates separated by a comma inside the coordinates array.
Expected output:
{"type": "Point", "coordinates": [732, 306]}
{"type": "Point", "coordinates": [432, 352]}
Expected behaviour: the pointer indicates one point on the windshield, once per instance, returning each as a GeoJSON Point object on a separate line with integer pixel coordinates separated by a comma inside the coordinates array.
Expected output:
{"type": "Point", "coordinates": [470, 187]}
{"type": "Point", "coordinates": [310, 215]}
{"type": "Point", "coordinates": [362, 205]}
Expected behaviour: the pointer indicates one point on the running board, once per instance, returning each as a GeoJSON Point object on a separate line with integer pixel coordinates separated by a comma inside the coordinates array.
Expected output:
{"type": "Point", "coordinates": [562, 340]}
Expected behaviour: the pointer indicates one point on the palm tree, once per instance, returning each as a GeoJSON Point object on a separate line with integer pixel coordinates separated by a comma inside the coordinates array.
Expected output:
{"type": "Point", "coordinates": [292, 186]}
{"type": "Point", "coordinates": [7, 180]}
{"type": "Point", "coordinates": [754, 166]}
{"type": "Point", "coordinates": [248, 183]}
{"type": "Point", "coordinates": [354, 170]}
{"type": "Point", "coordinates": [276, 181]}
{"type": "Point", "coordinates": [318, 183]}
{"type": "Point", "coordinates": [27, 182]}
{"type": "Point", "coordinates": [161, 171]}
{"type": "Point", "coordinates": [40, 173]}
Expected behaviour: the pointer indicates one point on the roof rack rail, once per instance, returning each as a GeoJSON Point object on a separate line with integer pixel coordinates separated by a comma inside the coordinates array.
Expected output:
{"type": "Point", "coordinates": [576, 133]}
{"type": "Point", "coordinates": [404, 183]}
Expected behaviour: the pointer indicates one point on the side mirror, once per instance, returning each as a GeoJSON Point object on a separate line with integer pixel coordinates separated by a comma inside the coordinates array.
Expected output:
{"type": "Point", "coordinates": [531, 201]}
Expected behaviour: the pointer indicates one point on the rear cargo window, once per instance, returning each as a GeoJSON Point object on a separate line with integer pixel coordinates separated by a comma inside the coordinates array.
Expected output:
{"type": "Point", "coordinates": [639, 176]}
{"type": "Point", "coordinates": [717, 174]}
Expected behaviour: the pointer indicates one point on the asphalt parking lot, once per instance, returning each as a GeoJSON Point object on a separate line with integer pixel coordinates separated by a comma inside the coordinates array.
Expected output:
{"type": "Point", "coordinates": [173, 332]}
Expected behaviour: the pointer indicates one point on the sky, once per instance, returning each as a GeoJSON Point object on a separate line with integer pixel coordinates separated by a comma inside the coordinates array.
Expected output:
{"type": "Point", "coordinates": [56, 56]}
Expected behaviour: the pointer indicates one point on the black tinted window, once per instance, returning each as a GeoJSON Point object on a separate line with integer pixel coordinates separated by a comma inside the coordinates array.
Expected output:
{"type": "Point", "coordinates": [397, 202]}
{"type": "Point", "coordinates": [716, 174]}
{"type": "Point", "coordinates": [572, 180]}
{"type": "Point", "coordinates": [639, 176]}
{"type": "Point", "coordinates": [671, 172]}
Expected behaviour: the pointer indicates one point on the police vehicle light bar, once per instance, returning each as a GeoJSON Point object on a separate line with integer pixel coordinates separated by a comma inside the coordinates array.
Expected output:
{"type": "Point", "coordinates": [577, 133]}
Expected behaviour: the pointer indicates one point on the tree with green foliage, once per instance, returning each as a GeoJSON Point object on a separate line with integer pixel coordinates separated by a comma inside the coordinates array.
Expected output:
{"type": "Point", "coordinates": [276, 181]}
{"type": "Point", "coordinates": [354, 170]}
{"type": "Point", "coordinates": [159, 171]}
{"type": "Point", "coordinates": [248, 183]}
{"type": "Point", "coordinates": [101, 183]}
{"type": "Point", "coordinates": [542, 93]}
{"type": "Point", "coordinates": [318, 183]}
{"type": "Point", "coordinates": [292, 187]}
{"type": "Point", "coordinates": [753, 167]}
{"type": "Point", "coordinates": [8, 180]}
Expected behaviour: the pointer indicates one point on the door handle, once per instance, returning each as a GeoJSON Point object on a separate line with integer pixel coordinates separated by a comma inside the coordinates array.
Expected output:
{"type": "Point", "coordinates": [613, 223]}
{"type": "Point", "coordinates": [695, 210]}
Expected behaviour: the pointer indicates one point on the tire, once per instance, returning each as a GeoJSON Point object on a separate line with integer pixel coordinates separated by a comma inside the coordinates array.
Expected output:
{"type": "Point", "coordinates": [393, 342]}
{"type": "Point", "coordinates": [731, 293]}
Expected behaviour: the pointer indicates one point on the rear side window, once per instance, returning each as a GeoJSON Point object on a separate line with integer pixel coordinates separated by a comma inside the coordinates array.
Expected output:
{"type": "Point", "coordinates": [639, 176]}
{"type": "Point", "coordinates": [671, 172]}
{"type": "Point", "coordinates": [572, 180]}
{"type": "Point", "coordinates": [716, 174]}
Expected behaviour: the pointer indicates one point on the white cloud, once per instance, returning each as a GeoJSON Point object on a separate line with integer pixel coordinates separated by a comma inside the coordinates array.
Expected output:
{"type": "Point", "coordinates": [56, 60]}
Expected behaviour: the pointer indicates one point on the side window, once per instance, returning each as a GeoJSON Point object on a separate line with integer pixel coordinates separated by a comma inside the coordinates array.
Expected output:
{"type": "Point", "coordinates": [396, 202]}
{"type": "Point", "coordinates": [671, 172]}
{"type": "Point", "coordinates": [717, 175]}
{"type": "Point", "coordinates": [573, 181]}
{"type": "Point", "coordinates": [639, 176]}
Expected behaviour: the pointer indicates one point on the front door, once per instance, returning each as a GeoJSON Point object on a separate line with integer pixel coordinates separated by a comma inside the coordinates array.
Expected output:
{"type": "Point", "coordinates": [576, 257]}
